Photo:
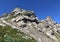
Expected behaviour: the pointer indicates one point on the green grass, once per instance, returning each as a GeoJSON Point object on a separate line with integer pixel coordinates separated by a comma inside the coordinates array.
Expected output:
{"type": "Point", "coordinates": [32, 24]}
{"type": "Point", "coordinates": [10, 17]}
{"type": "Point", "coordinates": [8, 34]}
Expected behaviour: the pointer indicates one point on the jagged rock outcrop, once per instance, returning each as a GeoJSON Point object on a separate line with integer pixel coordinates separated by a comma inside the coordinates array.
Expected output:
{"type": "Point", "coordinates": [42, 30]}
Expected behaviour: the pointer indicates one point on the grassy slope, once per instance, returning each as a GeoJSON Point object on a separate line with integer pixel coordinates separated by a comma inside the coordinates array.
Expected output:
{"type": "Point", "coordinates": [8, 34]}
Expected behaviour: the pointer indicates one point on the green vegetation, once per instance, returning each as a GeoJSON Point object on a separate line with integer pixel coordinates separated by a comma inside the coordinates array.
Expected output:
{"type": "Point", "coordinates": [10, 17]}
{"type": "Point", "coordinates": [9, 34]}
{"type": "Point", "coordinates": [32, 24]}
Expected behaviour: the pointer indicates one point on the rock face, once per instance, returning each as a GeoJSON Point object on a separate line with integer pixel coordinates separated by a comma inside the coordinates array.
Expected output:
{"type": "Point", "coordinates": [42, 30]}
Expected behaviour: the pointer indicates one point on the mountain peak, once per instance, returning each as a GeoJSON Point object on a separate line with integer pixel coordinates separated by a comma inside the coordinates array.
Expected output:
{"type": "Point", "coordinates": [17, 9]}
{"type": "Point", "coordinates": [49, 19]}
{"type": "Point", "coordinates": [27, 22]}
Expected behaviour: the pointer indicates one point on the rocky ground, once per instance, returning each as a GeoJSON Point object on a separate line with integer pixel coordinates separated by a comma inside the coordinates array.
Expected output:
{"type": "Point", "coordinates": [45, 30]}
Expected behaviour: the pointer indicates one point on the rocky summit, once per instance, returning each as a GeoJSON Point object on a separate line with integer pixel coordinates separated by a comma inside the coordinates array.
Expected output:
{"type": "Point", "coordinates": [45, 30]}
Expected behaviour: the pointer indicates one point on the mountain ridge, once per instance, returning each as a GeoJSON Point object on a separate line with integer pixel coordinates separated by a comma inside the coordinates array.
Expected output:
{"type": "Point", "coordinates": [41, 30]}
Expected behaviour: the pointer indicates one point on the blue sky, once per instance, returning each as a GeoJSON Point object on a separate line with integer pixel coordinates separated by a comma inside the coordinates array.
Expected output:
{"type": "Point", "coordinates": [42, 8]}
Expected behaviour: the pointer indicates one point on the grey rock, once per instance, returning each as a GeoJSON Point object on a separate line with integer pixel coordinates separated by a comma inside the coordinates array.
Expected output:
{"type": "Point", "coordinates": [25, 21]}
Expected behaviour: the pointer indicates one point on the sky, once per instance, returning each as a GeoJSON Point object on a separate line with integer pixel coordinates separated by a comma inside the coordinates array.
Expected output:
{"type": "Point", "coordinates": [42, 8]}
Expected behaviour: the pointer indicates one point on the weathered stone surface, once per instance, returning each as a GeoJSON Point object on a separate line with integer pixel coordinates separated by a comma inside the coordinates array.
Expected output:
{"type": "Point", "coordinates": [27, 22]}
